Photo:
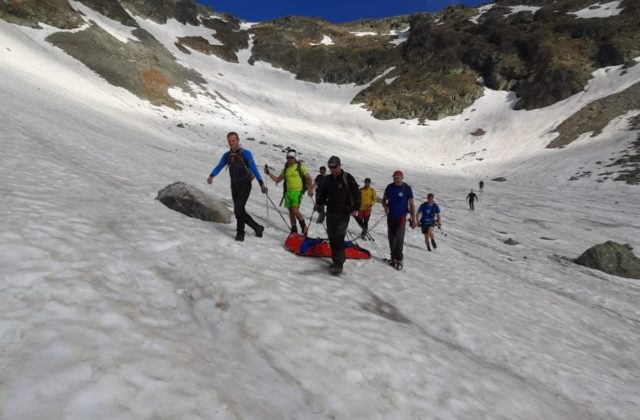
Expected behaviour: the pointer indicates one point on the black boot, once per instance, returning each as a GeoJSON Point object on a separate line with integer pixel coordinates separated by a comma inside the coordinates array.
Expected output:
{"type": "Point", "coordinates": [240, 236]}
{"type": "Point", "coordinates": [259, 229]}
{"type": "Point", "coordinates": [335, 268]}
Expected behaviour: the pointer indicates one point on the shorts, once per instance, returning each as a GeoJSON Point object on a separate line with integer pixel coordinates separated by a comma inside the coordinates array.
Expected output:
{"type": "Point", "coordinates": [425, 227]}
{"type": "Point", "coordinates": [364, 213]}
{"type": "Point", "coordinates": [292, 199]}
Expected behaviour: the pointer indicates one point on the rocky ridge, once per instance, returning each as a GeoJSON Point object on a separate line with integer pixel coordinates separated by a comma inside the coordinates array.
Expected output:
{"type": "Point", "coordinates": [434, 65]}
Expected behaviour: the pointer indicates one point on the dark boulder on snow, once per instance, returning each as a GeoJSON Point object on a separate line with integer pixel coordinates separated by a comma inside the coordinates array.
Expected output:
{"type": "Point", "coordinates": [612, 258]}
{"type": "Point", "coordinates": [511, 241]}
{"type": "Point", "coordinates": [499, 179]}
{"type": "Point", "coordinates": [192, 202]}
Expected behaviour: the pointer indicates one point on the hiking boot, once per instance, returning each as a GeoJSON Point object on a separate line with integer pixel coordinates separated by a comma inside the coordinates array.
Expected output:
{"type": "Point", "coordinates": [399, 265]}
{"type": "Point", "coordinates": [259, 230]}
{"type": "Point", "coordinates": [434, 244]}
{"type": "Point", "coordinates": [428, 247]}
{"type": "Point", "coordinates": [363, 235]}
{"type": "Point", "coordinates": [240, 236]}
{"type": "Point", "coordinates": [335, 268]}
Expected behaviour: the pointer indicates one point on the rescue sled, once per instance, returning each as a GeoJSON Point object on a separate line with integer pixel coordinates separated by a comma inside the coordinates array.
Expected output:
{"type": "Point", "coordinates": [319, 247]}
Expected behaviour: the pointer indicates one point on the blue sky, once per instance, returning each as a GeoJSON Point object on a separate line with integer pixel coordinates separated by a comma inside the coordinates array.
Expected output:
{"type": "Point", "coordinates": [332, 10]}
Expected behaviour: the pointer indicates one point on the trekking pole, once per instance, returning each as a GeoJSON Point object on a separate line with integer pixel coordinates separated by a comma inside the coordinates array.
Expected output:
{"type": "Point", "coordinates": [277, 211]}
{"type": "Point", "coordinates": [367, 235]}
{"type": "Point", "coordinates": [313, 200]}
{"type": "Point", "coordinates": [266, 200]}
{"type": "Point", "coordinates": [376, 223]}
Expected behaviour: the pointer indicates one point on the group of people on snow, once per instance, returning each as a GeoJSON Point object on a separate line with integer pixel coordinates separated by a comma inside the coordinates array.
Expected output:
{"type": "Point", "coordinates": [338, 198]}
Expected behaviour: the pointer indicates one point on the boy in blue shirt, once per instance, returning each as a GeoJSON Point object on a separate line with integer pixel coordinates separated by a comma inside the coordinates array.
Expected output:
{"type": "Point", "coordinates": [397, 202]}
{"type": "Point", "coordinates": [429, 216]}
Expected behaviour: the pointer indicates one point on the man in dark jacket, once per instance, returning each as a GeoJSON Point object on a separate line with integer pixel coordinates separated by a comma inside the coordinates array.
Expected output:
{"type": "Point", "coordinates": [471, 198]}
{"type": "Point", "coordinates": [341, 194]}
{"type": "Point", "coordinates": [319, 182]}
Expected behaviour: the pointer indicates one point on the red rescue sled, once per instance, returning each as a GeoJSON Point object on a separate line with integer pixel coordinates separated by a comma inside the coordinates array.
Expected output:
{"type": "Point", "coordinates": [318, 247]}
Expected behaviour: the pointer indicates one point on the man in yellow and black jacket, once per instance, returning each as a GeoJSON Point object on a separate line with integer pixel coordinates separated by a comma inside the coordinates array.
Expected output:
{"type": "Point", "coordinates": [368, 199]}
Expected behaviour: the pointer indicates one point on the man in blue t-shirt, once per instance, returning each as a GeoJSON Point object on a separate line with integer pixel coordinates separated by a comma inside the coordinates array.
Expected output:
{"type": "Point", "coordinates": [397, 202]}
{"type": "Point", "coordinates": [429, 216]}
{"type": "Point", "coordinates": [242, 170]}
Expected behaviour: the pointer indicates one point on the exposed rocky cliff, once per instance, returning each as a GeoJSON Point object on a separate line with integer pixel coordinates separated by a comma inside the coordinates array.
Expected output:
{"type": "Point", "coordinates": [434, 65]}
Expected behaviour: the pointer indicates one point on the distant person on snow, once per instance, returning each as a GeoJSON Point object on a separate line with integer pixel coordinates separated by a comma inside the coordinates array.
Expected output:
{"type": "Point", "coordinates": [296, 180]}
{"type": "Point", "coordinates": [368, 199]}
{"type": "Point", "coordinates": [481, 185]}
{"type": "Point", "coordinates": [242, 170]}
{"type": "Point", "coordinates": [341, 195]}
{"type": "Point", "coordinates": [397, 202]}
{"type": "Point", "coordinates": [429, 216]}
{"type": "Point", "coordinates": [319, 182]}
{"type": "Point", "coordinates": [471, 198]}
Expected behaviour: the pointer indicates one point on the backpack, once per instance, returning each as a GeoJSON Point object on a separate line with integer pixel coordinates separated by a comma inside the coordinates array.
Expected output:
{"type": "Point", "coordinates": [239, 154]}
{"type": "Point", "coordinates": [346, 185]}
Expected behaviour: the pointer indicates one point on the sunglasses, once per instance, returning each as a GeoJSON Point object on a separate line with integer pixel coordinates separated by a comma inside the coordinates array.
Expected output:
{"type": "Point", "coordinates": [333, 166]}
{"type": "Point", "coordinates": [290, 157]}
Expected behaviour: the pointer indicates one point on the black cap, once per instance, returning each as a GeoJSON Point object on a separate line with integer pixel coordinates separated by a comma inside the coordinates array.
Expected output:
{"type": "Point", "coordinates": [367, 180]}
{"type": "Point", "coordinates": [334, 160]}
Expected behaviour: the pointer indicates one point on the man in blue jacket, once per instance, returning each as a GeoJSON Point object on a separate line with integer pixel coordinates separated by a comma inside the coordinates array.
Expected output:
{"type": "Point", "coordinates": [242, 170]}
{"type": "Point", "coordinates": [397, 202]}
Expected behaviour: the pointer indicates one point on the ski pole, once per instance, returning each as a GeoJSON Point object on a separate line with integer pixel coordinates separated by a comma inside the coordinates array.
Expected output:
{"type": "Point", "coordinates": [376, 223]}
{"type": "Point", "coordinates": [277, 211]}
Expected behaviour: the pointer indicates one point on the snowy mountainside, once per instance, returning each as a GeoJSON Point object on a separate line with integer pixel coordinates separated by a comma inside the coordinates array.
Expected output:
{"type": "Point", "coordinates": [113, 306]}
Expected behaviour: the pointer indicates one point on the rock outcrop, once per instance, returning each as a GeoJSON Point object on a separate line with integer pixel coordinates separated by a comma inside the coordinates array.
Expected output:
{"type": "Point", "coordinates": [143, 67]}
{"type": "Point", "coordinates": [192, 202]}
{"type": "Point", "coordinates": [612, 258]}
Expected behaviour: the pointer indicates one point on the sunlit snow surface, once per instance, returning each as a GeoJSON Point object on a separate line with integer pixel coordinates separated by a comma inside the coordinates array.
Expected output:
{"type": "Point", "coordinates": [113, 306]}
{"type": "Point", "coordinates": [481, 11]}
{"type": "Point", "coordinates": [600, 10]}
{"type": "Point", "coordinates": [520, 9]}
{"type": "Point", "coordinates": [326, 40]}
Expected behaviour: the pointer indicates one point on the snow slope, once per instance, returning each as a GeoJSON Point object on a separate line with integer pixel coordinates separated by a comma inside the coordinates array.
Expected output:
{"type": "Point", "coordinates": [113, 306]}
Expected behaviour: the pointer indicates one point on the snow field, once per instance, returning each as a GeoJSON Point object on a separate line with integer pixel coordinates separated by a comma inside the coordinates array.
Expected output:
{"type": "Point", "coordinates": [113, 306]}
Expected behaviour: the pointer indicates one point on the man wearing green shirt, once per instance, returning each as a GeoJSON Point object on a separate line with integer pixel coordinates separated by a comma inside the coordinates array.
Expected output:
{"type": "Point", "coordinates": [295, 176]}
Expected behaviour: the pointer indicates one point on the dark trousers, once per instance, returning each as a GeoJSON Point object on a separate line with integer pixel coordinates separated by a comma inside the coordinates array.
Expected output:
{"type": "Point", "coordinates": [395, 232]}
{"type": "Point", "coordinates": [321, 214]}
{"type": "Point", "coordinates": [337, 224]}
{"type": "Point", "coordinates": [363, 222]}
{"type": "Point", "coordinates": [471, 206]}
{"type": "Point", "coordinates": [240, 192]}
